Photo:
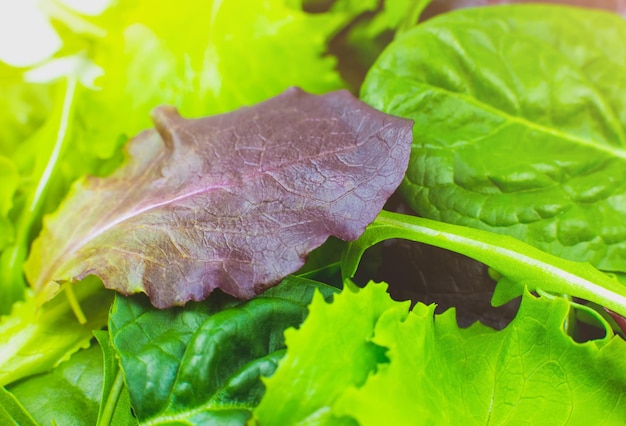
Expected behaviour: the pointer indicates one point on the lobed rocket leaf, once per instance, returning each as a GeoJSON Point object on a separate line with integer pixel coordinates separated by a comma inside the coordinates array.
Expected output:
{"type": "Point", "coordinates": [533, 148]}
{"type": "Point", "coordinates": [234, 201]}
{"type": "Point", "coordinates": [433, 372]}
{"type": "Point", "coordinates": [520, 265]}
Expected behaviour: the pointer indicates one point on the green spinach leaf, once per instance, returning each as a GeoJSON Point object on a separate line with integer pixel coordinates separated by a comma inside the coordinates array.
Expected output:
{"type": "Point", "coordinates": [520, 124]}
{"type": "Point", "coordinates": [115, 406]}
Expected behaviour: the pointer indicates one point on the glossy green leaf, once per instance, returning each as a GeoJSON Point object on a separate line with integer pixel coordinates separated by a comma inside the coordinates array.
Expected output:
{"type": "Point", "coordinates": [519, 264]}
{"type": "Point", "coordinates": [436, 373]}
{"type": "Point", "coordinates": [201, 364]}
{"type": "Point", "coordinates": [520, 124]}
{"type": "Point", "coordinates": [34, 339]}
{"type": "Point", "coordinates": [12, 413]}
{"type": "Point", "coordinates": [69, 394]}
{"type": "Point", "coordinates": [115, 406]}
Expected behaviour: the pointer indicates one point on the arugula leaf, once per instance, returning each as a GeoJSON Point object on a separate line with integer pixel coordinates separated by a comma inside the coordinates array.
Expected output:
{"type": "Point", "coordinates": [35, 339]}
{"type": "Point", "coordinates": [202, 364]}
{"type": "Point", "coordinates": [520, 265]}
{"type": "Point", "coordinates": [529, 148]}
{"type": "Point", "coordinates": [234, 201]}
{"type": "Point", "coordinates": [528, 372]}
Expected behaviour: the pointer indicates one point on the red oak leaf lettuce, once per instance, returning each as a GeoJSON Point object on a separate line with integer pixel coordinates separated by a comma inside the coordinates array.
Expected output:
{"type": "Point", "coordinates": [233, 201]}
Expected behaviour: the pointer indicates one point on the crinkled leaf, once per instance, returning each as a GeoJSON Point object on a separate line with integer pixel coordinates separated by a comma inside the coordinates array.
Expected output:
{"type": "Point", "coordinates": [234, 201]}
{"type": "Point", "coordinates": [520, 265]}
{"type": "Point", "coordinates": [531, 372]}
{"type": "Point", "coordinates": [530, 148]}
{"type": "Point", "coordinates": [202, 364]}
{"type": "Point", "coordinates": [435, 373]}
{"type": "Point", "coordinates": [35, 339]}
{"type": "Point", "coordinates": [330, 351]}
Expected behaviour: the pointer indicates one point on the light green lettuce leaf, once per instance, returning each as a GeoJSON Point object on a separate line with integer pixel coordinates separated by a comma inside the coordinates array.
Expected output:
{"type": "Point", "coordinates": [520, 124]}
{"type": "Point", "coordinates": [436, 373]}
{"type": "Point", "coordinates": [12, 413]}
{"type": "Point", "coordinates": [205, 58]}
{"type": "Point", "coordinates": [10, 180]}
{"type": "Point", "coordinates": [35, 339]}
{"type": "Point", "coordinates": [69, 394]}
{"type": "Point", "coordinates": [333, 349]}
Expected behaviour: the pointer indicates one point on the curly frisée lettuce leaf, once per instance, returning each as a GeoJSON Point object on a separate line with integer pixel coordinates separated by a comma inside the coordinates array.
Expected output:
{"type": "Point", "coordinates": [429, 371]}
{"type": "Point", "coordinates": [234, 201]}
{"type": "Point", "coordinates": [331, 351]}
{"type": "Point", "coordinates": [520, 116]}
{"type": "Point", "coordinates": [202, 364]}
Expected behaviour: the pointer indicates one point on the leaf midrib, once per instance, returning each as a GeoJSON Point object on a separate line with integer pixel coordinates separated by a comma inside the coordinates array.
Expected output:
{"type": "Point", "coordinates": [612, 150]}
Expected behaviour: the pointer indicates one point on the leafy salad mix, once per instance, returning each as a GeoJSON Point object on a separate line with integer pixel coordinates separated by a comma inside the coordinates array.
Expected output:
{"type": "Point", "coordinates": [236, 266]}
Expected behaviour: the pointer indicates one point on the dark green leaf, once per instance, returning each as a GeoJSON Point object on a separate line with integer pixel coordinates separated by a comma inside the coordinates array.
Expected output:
{"type": "Point", "coordinates": [115, 406]}
{"type": "Point", "coordinates": [520, 124]}
{"type": "Point", "coordinates": [202, 364]}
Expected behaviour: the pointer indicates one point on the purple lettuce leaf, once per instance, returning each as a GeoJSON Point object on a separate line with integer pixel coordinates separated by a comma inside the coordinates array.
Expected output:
{"type": "Point", "coordinates": [233, 201]}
